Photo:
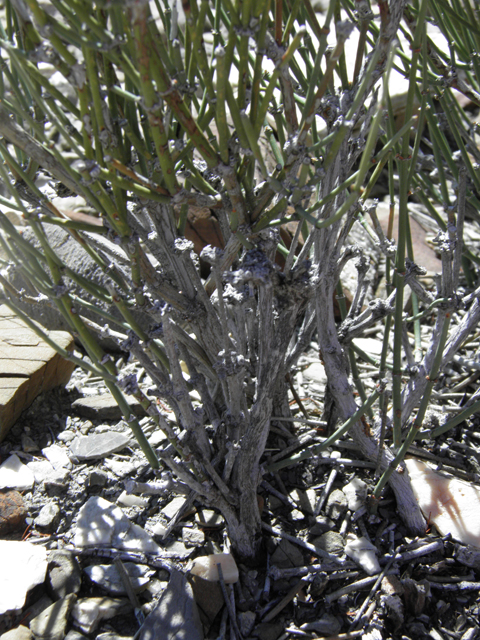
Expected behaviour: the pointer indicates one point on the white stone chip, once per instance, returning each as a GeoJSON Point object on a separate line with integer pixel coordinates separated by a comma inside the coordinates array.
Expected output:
{"type": "Point", "coordinates": [356, 492]}
{"type": "Point", "coordinates": [15, 475]}
{"type": "Point", "coordinates": [23, 566]}
{"type": "Point", "coordinates": [57, 456]}
{"type": "Point", "coordinates": [101, 523]}
{"type": "Point", "coordinates": [129, 500]}
{"type": "Point", "coordinates": [206, 567]}
{"type": "Point", "coordinates": [89, 612]}
{"type": "Point", "coordinates": [363, 552]}
{"type": "Point", "coordinates": [452, 505]}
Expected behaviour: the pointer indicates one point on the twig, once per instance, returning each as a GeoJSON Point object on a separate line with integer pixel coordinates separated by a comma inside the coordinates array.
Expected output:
{"type": "Point", "coordinates": [284, 601]}
{"type": "Point", "coordinates": [325, 492]}
{"type": "Point", "coordinates": [230, 610]}
{"type": "Point", "coordinates": [306, 545]}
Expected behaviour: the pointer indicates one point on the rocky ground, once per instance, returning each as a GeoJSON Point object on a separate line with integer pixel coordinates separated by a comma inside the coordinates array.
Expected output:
{"type": "Point", "coordinates": [115, 545]}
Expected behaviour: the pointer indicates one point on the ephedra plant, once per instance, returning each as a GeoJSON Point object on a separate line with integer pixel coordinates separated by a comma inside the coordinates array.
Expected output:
{"type": "Point", "coordinates": [247, 111]}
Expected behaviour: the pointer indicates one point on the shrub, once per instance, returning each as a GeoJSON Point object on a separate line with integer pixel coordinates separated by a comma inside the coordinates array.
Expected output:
{"type": "Point", "coordinates": [244, 115]}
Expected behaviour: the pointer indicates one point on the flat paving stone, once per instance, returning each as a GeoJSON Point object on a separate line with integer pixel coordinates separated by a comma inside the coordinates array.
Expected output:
{"type": "Point", "coordinates": [104, 407]}
{"type": "Point", "coordinates": [28, 366]}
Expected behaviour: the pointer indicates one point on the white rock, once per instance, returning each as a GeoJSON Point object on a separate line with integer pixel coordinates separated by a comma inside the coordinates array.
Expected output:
{"type": "Point", "coordinates": [363, 552]}
{"type": "Point", "coordinates": [23, 566]}
{"type": "Point", "coordinates": [43, 470]}
{"type": "Point", "coordinates": [316, 373]}
{"type": "Point", "coordinates": [101, 523]}
{"type": "Point", "coordinates": [88, 612]}
{"type": "Point", "coordinates": [206, 567]}
{"type": "Point", "coordinates": [129, 500]}
{"type": "Point", "coordinates": [15, 475]}
{"type": "Point", "coordinates": [356, 492]}
{"type": "Point", "coordinates": [370, 345]}
{"type": "Point", "coordinates": [171, 509]}
{"type": "Point", "coordinates": [57, 456]}
{"type": "Point", "coordinates": [159, 530]}
{"type": "Point", "coordinates": [452, 505]}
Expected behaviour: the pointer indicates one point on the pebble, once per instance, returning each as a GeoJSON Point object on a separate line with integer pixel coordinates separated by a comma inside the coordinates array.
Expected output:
{"type": "Point", "coordinates": [96, 478]}
{"type": "Point", "coordinates": [20, 633]}
{"type": "Point", "coordinates": [64, 573]}
{"type": "Point", "coordinates": [246, 621]}
{"type": "Point", "coordinates": [52, 622]}
{"type": "Point", "coordinates": [66, 436]}
{"type": "Point", "coordinates": [331, 541]}
{"type": "Point", "coordinates": [104, 407]}
{"type": "Point", "coordinates": [327, 625]}
{"type": "Point", "coordinates": [16, 475]}
{"type": "Point", "coordinates": [101, 523]}
{"type": "Point", "coordinates": [287, 555]}
{"type": "Point", "coordinates": [193, 536]}
{"type": "Point", "coordinates": [171, 509]}
{"type": "Point", "coordinates": [336, 504]}
{"type": "Point", "coordinates": [322, 524]}
{"type": "Point", "coordinates": [363, 552]}
{"type": "Point", "coordinates": [108, 577]}
{"type": "Point", "coordinates": [12, 511]}
{"type": "Point", "coordinates": [75, 635]}
{"type": "Point", "coordinates": [129, 500]}
{"type": "Point", "coordinates": [28, 444]}
{"type": "Point", "coordinates": [356, 493]}
{"type": "Point", "coordinates": [98, 445]}
{"type": "Point", "coordinates": [176, 614]}
{"type": "Point", "coordinates": [23, 566]}
{"type": "Point", "coordinates": [89, 612]}
{"type": "Point", "coordinates": [58, 456]}
{"type": "Point", "coordinates": [209, 519]}
{"type": "Point", "coordinates": [119, 468]}
{"type": "Point", "coordinates": [44, 471]}
{"type": "Point", "coordinates": [48, 517]}
{"type": "Point", "coordinates": [304, 499]}
{"type": "Point", "coordinates": [205, 567]}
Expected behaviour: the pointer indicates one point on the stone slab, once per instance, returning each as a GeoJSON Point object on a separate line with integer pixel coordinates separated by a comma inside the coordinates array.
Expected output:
{"type": "Point", "coordinates": [28, 366]}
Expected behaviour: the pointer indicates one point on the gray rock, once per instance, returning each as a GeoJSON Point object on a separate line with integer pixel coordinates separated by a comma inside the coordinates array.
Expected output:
{"type": "Point", "coordinates": [64, 573]}
{"type": "Point", "coordinates": [287, 555]}
{"type": "Point", "coordinates": [28, 444]}
{"type": "Point", "coordinates": [20, 633]}
{"type": "Point", "coordinates": [331, 541]}
{"type": "Point", "coordinates": [51, 623]}
{"type": "Point", "coordinates": [246, 621]}
{"type": "Point", "coordinates": [322, 524]}
{"type": "Point", "coordinates": [327, 625]}
{"type": "Point", "coordinates": [176, 615]}
{"type": "Point", "coordinates": [108, 577]}
{"type": "Point", "coordinates": [193, 537]}
{"type": "Point", "coordinates": [98, 445]}
{"type": "Point", "coordinates": [76, 258]}
{"type": "Point", "coordinates": [96, 478]}
{"type": "Point", "coordinates": [336, 504]}
{"type": "Point", "coordinates": [176, 549]}
{"type": "Point", "coordinates": [104, 407]}
{"type": "Point", "coordinates": [48, 517]}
